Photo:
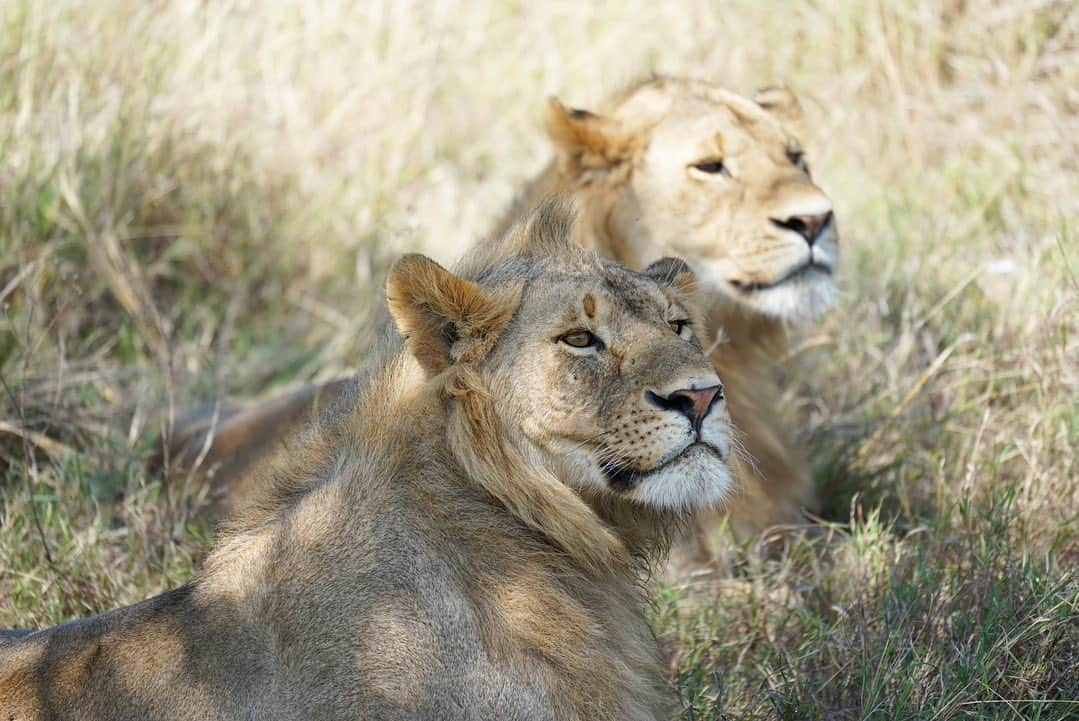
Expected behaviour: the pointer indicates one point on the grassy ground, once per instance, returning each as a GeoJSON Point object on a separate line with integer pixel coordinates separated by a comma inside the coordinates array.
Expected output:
{"type": "Point", "coordinates": [198, 198]}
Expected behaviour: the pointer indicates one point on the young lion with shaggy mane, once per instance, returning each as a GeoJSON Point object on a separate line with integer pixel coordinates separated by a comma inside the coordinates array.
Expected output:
{"type": "Point", "coordinates": [461, 537]}
{"type": "Point", "coordinates": [670, 167]}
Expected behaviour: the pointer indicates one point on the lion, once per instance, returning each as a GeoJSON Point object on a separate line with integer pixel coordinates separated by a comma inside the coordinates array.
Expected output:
{"type": "Point", "coordinates": [672, 166]}
{"type": "Point", "coordinates": [487, 567]}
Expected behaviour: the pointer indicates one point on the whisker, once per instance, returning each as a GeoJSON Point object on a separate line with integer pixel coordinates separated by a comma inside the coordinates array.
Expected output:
{"type": "Point", "coordinates": [587, 440]}
{"type": "Point", "coordinates": [616, 464]}
{"type": "Point", "coordinates": [742, 452]}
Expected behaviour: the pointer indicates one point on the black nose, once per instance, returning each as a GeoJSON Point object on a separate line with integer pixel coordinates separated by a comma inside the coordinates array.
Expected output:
{"type": "Point", "coordinates": [807, 226]}
{"type": "Point", "coordinates": [693, 403]}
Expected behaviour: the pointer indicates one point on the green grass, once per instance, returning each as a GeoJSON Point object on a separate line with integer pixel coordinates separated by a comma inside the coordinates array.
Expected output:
{"type": "Point", "coordinates": [869, 623]}
{"type": "Point", "coordinates": [198, 201]}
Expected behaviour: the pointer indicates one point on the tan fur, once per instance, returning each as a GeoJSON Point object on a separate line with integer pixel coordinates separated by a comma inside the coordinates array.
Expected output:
{"type": "Point", "coordinates": [432, 547]}
{"type": "Point", "coordinates": [629, 168]}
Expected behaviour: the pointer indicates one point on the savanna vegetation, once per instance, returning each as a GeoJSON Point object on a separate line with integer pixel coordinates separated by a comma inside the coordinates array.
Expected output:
{"type": "Point", "coordinates": [198, 200]}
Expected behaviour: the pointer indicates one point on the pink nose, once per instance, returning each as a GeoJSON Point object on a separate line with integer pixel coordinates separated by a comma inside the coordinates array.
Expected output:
{"type": "Point", "coordinates": [693, 403]}
{"type": "Point", "coordinates": [807, 226]}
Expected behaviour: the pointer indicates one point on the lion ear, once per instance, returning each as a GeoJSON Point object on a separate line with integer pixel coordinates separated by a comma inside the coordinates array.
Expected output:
{"type": "Point", "coordinates": [437, 311]}
{"type": "Point", "coordinates": [589, 146]}
{"type": "Point", "coordinates": [780, 102]}
{"type": "Point", "coordinates": [672, 273]}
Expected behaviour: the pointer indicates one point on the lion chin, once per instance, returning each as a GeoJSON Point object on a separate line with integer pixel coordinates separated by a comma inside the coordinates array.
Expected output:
{"type": "Point", "coordinates": [802, 296]}
{"type": "Point", "coordinates": [799, 300]}
{"type": "Point", "coordinates": [696, 479]}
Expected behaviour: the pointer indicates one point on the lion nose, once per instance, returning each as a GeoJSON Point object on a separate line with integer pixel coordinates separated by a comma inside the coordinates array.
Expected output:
{"type": "Point", "coordinates": [807, 226]}
{"type": "Point", "coordinates": [693, 403]}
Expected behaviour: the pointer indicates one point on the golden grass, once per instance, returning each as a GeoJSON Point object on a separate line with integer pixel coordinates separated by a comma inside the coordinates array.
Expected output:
{"type": "Point", "coordinates": [197, 199]}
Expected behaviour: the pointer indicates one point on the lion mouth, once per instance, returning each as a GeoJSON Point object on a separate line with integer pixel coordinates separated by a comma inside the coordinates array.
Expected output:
{"type": "Point", "coordinates": [808, 268]}
{"type": "Point", "coordinates": [625, 478]}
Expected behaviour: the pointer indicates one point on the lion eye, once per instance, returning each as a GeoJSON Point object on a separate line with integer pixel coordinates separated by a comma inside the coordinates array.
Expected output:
{"type": "Point", "coordinates": [681, 327]}
{"type": "Point", "coordinates": [579, 339]}
{"type": "Point", "coordinates": [798, 159]}
{"type": "Point", "coordinates": [712, 167]}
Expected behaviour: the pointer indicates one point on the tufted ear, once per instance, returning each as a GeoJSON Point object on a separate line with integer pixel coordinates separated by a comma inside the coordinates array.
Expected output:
{"type": "Point", "coordinates": [780, 102]}
{"type": "Point", "coordinates": [589, 146]}
{"type": "Point", "coordinates": [445, 318]}
{"type": "Point", "coordinates": [672, 273]}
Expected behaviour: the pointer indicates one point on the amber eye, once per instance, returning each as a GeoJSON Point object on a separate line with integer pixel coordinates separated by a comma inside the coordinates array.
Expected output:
{"type": "Point", "coordinates": [681, 327]}
{"type": "Point", "coordinates": [712, 167]}
{"type": "Point", "coordinates": [579, 339]}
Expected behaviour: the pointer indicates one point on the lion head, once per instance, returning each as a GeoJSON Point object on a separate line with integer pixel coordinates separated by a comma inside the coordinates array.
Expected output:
{"type": "Point", "coordinates": [573, 367]}
{"type": "Point", "coordinates": [682, 167]}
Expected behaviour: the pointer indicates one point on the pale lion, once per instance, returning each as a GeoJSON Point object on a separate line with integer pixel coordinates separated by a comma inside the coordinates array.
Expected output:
{"type": "Point", "coordinates": [670, 167]}
{"type": "Point", "coordinates": [462, 537]}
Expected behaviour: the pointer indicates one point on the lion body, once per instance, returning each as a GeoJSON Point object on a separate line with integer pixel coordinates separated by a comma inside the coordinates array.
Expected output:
{"type": "Point", "coordinates": [361, 603]}
{"type": "Point", "coordinates": [389, 592]}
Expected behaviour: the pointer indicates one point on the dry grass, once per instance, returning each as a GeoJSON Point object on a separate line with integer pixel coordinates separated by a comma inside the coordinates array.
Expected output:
{"type": "Point", "coordinates": [196, 199]}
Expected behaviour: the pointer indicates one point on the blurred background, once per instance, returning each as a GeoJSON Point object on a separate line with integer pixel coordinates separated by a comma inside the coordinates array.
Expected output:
{"type": "Point", "coordinates": [198, 200]}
